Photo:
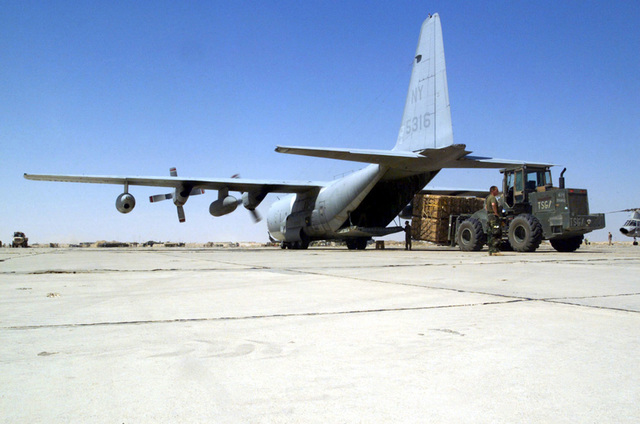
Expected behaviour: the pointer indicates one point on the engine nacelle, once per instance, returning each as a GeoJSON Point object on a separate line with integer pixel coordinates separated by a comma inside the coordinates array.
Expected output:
{"type": "Point", "coordinates": [251, 199]}
{"type": "Point", "coordinates": [181, 195]}
{"type": "Point", "coordinates": [223, 206]}
{"type": "Point", "coordinates": [125, 203]}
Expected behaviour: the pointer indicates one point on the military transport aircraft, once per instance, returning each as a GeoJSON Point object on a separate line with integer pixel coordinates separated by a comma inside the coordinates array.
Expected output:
{"type": "Point", "coordinates": [631, 228]}
{"type": "Point", "coordinates": [356, 207]}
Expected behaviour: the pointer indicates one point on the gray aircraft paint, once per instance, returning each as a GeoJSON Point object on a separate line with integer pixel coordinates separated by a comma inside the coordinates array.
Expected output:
{"type": "Point", "coordinates": [426, 109]}
{"type": "Point", "coordinates": [360, 205]}
{"type": "Point", "coordinates": [426, 121]}
{"type": "Point", "coordinates": [631, 227]}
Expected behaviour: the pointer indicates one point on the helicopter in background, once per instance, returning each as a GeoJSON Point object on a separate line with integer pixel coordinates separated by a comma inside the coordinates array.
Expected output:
{"type": "Point", "coordinates": [631, 227]}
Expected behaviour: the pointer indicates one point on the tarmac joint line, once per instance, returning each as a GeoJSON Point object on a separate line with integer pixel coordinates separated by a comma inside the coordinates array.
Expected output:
{"type": "Point", "coordinates": [253, 317]}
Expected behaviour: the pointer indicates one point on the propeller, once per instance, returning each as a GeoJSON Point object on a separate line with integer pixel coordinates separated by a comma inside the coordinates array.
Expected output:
{"type": "Point", "coordinates": [159, 197]}
{"type": "Point", "coordinates": [254, 213]}
{"type": "Point", "coordinates": [179, 196]}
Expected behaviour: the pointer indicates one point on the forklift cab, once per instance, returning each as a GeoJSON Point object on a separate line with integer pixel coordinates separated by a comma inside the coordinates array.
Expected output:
{"type": "Point", "coordinates": [519, 182]}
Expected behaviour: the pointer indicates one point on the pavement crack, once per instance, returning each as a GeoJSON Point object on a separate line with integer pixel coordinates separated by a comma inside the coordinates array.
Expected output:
{"type": "Point", "coordinates": [580, 305]}
{"type": "Point", "coordinates": [257, 317]}
{"type": "Point", "coordinates": [602, 296]}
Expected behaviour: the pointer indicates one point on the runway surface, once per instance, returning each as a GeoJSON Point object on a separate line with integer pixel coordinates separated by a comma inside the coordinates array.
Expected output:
{"type": "Point", "coordinates": [322, 335]}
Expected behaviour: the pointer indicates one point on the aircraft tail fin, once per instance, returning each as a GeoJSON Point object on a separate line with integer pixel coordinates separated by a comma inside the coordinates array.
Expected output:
{"type": "Point", "coordinates": [426, 122]}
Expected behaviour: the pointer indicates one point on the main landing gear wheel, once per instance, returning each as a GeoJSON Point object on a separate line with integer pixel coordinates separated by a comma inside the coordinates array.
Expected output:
{"type": "Point", "coordinates": [303, 243]}
{"type": "Point", "coordinates": [295, 245]}
{"type": "Point", "coordinates": [357, 243]}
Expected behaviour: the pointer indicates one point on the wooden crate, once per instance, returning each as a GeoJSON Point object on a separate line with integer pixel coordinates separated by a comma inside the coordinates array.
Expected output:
{"type": "Point", "coordinates": [440, 207]}
{"type": "Point", "coordinates": [431, 213]}
{"type": "Point", "coordinates": [430, 229]}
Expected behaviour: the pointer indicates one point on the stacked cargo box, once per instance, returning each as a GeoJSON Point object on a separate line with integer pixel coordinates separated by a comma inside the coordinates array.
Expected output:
{"type": "Point", "coordinates": [431, 215]}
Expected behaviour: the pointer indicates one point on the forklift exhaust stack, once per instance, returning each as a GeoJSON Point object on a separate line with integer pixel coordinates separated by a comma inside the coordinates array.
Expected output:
{"type": "Point", "coordinates": [561, 179]}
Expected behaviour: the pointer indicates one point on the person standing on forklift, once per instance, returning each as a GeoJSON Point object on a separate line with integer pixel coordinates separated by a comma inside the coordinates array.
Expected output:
{"type": "Point", "coordinates": [494, 215]}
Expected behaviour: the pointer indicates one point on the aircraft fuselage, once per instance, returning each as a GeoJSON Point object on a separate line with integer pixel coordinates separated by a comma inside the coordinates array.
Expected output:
{"type": "Point", "coordinates": [366, 201]}
{"type": "Point", "coordinates": [631, 228]}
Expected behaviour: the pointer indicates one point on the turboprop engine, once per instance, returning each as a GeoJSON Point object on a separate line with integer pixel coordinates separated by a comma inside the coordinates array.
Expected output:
{"type": "Point", "coordinates": [251, 200]}
{"type": "Point", "coordinates": [180, 196]}
{"type": "Point", "coordinates": [125, 203]}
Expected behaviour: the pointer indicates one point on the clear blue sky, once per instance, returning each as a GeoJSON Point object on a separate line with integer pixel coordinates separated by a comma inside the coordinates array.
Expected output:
{"type": "Point", "coordinates": [134, 88]}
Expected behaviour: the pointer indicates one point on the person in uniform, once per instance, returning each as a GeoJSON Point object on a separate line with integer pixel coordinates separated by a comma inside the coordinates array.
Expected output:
{"type": "Point", "coordinates": [494, 214]}
{"type": "Point", "coordinates": [407, 235]}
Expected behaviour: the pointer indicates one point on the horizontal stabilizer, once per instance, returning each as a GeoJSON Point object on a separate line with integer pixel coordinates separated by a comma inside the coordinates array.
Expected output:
{"type": "Point", "coordinates": [421, 161]}
{"type": "Point", "coordinates": [479, 162]}
{"type": "Point", "coordinates": [454, 156]}
{"type": "Point", "coordinates": [382, 157]}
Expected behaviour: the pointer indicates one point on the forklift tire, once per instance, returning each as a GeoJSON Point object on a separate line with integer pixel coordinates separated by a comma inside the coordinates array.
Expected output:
{"type": "Point", "coordinates": [525, 233]}
{"type": "Point", "coordinates": [470, 235]}
{"type": "Point", "coordinates": [567, 244]}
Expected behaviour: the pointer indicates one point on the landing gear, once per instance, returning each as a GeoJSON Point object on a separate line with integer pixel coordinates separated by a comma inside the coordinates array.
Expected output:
{"type": "Point", "coordinates": [303, 243]}
{"type": "Point", "coordinates": [294, 245]}
{"type": "Point", "coordinates": [359, 243]}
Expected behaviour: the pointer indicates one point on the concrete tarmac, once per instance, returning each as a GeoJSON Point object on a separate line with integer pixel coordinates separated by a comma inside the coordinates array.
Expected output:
{"type": "Point", "coordinates": [319, 336]}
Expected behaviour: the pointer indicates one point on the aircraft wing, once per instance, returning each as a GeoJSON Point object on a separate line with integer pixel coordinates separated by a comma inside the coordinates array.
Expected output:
{"type": "Point", "coordinates": [232, 184]}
